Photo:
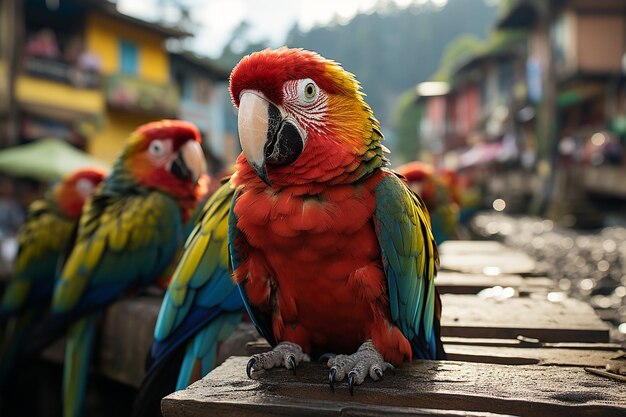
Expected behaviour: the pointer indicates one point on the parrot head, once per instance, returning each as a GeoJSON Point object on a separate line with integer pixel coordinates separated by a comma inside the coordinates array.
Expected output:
{"type": "Point", "coordinates": [302, 118]}
{"type": "Point", "coordinates": [165, 155]}
{"type": "Point", "coordinates": [73, 190]}
{"type": "Point", "coordinates": [419, 177]}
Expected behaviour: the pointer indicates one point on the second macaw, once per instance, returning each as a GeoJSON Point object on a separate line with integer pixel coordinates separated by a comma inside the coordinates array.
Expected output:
{"type": "Point", "coordinates": [438, 194]}
{"type": "Point", "coordinates": [43, 240]}
{"type": "Point", "coordinates": [332, 252]}
{"type": "Point", "coordinates": [201, 308]}
{"type": "Point", "coordinates": [128, 234]}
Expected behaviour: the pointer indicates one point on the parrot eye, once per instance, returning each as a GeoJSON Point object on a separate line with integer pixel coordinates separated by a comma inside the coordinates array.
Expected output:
{"type": "Point", "coordinates": [156, 148]}
{"type": "Point", "coordinates": [309, 90]}
{"type": "Point", "coordinates": [84, 187]}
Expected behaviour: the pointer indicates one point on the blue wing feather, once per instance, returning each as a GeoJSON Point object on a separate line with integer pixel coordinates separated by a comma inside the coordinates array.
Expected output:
{"type": "Point", "coordinates": [201, 294]}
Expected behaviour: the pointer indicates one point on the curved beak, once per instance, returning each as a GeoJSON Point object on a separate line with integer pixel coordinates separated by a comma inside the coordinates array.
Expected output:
{"type": "Point", "coordinates": [267, 136]}
{"type": "Point", "coordinates": [190, 163]}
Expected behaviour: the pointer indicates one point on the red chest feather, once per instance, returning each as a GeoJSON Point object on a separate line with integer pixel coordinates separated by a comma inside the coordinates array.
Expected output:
{"type": "Point", "coordinates": [321, 256]}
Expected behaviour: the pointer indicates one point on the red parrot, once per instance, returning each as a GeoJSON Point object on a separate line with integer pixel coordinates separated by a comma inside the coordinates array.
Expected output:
{"type": "Point", "coordinates": [129, 233]}
{"type": "Point", "coordinates": [43, 240]}
{"type": "Point", "coordinates": [332, 252]}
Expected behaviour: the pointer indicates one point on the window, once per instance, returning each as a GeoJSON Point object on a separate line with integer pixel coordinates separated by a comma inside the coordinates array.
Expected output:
{"type": "Point", "coordinates": [129, 57]}
{"type": "Point", "coordinates": [560, 39]}
{"type": "Point", "coordinates": [184, 86]}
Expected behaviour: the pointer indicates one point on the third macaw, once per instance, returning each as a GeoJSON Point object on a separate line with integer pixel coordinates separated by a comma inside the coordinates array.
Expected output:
{"type": "Point", "coordinates": [43, 240]}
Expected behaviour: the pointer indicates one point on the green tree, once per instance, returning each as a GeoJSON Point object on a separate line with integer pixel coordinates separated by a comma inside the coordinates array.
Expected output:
{"type": "Point", "coordinates": [461, 48]}
{"type": "Point", "coordinates": [407, 117]}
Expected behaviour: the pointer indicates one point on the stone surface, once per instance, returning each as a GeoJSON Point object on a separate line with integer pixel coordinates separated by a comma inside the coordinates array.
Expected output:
{"type": "Point", "coordinates": [569, 320]}
{"type": "Point", "coordinates": [523, 391]}
{"type": "Point", "coordinates": [529, 343]}
{"type": "Point", "coordinates": [125, 339]}
{"type": "Point", "coordinates": [126, 335]}
{"type": "Point", "coordinates": [458, 283]}
{"type": "Point", "coordinates": [476, 257]}
{"type": "Point", "coordinates": [529, 356]}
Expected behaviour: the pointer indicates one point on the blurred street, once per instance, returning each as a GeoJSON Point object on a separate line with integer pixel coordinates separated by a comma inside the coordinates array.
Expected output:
{"type": "Point", "coordinates": [590, 266]}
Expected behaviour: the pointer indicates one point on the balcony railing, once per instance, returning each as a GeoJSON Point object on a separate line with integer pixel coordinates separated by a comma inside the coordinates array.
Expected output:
{"type": "Point", "coordinates": [135, 94]}
{"type": "Point", "coordinates": [61, 72]}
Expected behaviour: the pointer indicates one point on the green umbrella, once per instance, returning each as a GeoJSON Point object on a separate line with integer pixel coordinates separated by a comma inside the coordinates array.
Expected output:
{"type": "Point", "coordinates": [45, 160]}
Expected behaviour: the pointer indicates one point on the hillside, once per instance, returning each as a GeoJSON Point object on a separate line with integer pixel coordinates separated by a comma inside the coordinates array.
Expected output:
{"type": "Point", "coordinates": [391, 49]}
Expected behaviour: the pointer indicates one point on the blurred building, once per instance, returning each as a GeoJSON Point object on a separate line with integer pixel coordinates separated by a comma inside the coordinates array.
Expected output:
{"type": "Point", "coordinates": [202, 85]}
{"type": "Point", "coordinates": [577, 84]}
{"type": "Point", "coordinates": [83, 72]}
{"type": "Point", "coordinates": [8, 12]}
{"type": "Point", "coordinates": [541, 113]}
{"type": "Point", "coordinates": [472, 125]}
{"type": "Point", "coordinates": [136, 72]}
{"type": "Point", "coordinates": [476, 109]}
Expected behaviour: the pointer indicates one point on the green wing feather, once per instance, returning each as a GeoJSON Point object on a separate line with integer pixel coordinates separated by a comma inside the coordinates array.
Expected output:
{"type": "Point", "coordinates": [122, 240]}
{"type": "Point", "coordinates": [410, 259]}
{"type": "Point", "coordinates": [41, 239]}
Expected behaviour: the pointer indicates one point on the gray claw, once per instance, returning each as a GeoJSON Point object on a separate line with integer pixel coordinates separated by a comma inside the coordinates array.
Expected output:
{"type": "Point", "coordinates": [379, 373]}
{"type": "Point", "coordinates": [331, 378]}
{"type": "Point", "coordinates": [390, 366]}
{"type": "Point", "coordinates": [351, 376]}
{"type": "Point", "coordinates": [325, 357]}
{"type": "Point", "coordinates": [292, 362]}
{"type": "Point", "coordinates": [249, 367]}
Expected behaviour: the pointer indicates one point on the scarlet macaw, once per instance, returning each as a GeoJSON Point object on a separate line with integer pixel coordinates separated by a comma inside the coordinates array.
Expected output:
{"type": "Point", "coordinates": [128, 234]}
{"type": "Point", "coordinates": [42, 241]}
{"type": "Point", "coordinates": [332, 251]}
{"type": "Point", "coordinates": [201, 308]}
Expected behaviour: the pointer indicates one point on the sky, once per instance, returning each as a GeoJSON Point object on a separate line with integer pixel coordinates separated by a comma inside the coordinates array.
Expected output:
{"type": "Point", "coordinates": [269, 19]}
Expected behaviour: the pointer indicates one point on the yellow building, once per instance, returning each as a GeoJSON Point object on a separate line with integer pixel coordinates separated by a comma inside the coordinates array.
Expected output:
{"type": "Point", "coordinates": [135, 67]}
{"type": "Point", "coordinates": [90, 74]}
{"type": "Point", "coordinates": [6, 12]}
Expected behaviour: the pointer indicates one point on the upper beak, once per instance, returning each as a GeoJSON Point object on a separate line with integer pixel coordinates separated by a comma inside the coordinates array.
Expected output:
{"type": "Point", "coordinates": [266, 135]}
{"type": "Point", "coordinates": [190, 163]}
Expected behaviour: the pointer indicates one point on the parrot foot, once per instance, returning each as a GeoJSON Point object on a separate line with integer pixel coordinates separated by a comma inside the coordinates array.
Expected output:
{"type": "Point", "coordinates": [357, 366]}
{"type": "Point", "coordinates": [286, 354]}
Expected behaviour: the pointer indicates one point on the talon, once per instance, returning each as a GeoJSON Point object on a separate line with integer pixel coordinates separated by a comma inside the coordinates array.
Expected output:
{"type": "Point", "coordinates": [331, 378]}
{"type": "Point", "coordinates": [390, 366]}
{"type": "Point", "coordinates": [249, 367]}
{"type": "Point", "coordinates": [292, 362]}
{"type": "Point", "coordinates": [379, 373]}
{"type": "Point", "coordinates": [326, 357]}
{"type": "Point", "coordinates": [351, 376]}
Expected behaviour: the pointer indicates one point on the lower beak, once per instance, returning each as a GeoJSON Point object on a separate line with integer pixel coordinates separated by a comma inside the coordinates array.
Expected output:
{"type": "Point", "coordinates": [190, 163]}
{"type": "Point", "coordinates": [266, 136]}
